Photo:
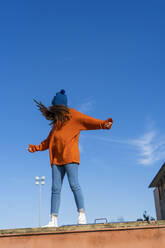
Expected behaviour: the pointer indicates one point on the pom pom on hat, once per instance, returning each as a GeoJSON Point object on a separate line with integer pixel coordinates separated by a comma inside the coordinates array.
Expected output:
{"type": "Point", "coordinates": [60, 98]}
{"type": "Point", "coordinates": [62, 92]}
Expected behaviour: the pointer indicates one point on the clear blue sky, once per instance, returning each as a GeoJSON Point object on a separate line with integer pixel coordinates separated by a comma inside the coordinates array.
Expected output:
{"type": "Point", "coordinates": [109, 57]}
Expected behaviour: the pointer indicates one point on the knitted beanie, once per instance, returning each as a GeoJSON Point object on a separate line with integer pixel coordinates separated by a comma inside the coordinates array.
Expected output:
{"type": "Point", "coordinates": [60, 98]}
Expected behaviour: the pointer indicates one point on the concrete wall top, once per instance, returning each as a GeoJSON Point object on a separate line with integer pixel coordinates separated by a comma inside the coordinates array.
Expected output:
{"type": "Point", "coordinates": [82, 228]}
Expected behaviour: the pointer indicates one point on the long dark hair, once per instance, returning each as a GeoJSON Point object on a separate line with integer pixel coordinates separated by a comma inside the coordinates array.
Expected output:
{"type": "Point", "coordinates": [57, 114]}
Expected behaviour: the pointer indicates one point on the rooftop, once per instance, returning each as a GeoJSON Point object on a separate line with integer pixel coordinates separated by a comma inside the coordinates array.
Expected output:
{"type": "Point", "coordinates": [160, 175]}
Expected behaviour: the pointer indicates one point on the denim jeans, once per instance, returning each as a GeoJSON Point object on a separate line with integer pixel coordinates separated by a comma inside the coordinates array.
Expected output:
{"type": "Point", "coordinates": [58, 173]}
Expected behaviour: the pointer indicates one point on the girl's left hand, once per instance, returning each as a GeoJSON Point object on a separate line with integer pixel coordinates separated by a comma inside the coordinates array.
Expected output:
{"type": "Point", "coordinates": [28, 149]}
{"type": "Point", "coordinates": [31, 148]}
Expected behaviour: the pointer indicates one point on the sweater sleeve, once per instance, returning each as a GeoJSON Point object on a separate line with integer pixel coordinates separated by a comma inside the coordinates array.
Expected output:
{"type": "Point", "coordinates": [86, 122]}
{"type": "Point", "coordinates": [44, 145]}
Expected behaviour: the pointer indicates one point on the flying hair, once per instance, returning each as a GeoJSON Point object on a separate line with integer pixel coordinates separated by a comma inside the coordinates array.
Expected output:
{"type": "Point", "coordinates": [56, 114]}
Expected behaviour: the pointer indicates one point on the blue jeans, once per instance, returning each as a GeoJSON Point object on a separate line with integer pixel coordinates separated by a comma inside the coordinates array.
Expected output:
{"type": "Point", "coordinates": [58, 173]}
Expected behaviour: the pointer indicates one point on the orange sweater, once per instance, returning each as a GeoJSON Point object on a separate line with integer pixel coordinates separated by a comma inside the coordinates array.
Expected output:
{"type": "Point", "coordinates": [63, 143]}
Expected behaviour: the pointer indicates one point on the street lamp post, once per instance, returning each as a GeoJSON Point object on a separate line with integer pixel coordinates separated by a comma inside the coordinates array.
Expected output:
{"type": "Point", "coordinates": [40, 182]}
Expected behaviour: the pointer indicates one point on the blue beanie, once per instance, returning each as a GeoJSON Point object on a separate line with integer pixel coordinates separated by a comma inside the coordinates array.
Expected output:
{"type": "Point", "coordinates": [60, 98]}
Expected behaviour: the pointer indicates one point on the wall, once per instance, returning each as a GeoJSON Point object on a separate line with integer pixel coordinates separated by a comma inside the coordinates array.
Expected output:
{"type": "Point", "coordinates": [121, 235]}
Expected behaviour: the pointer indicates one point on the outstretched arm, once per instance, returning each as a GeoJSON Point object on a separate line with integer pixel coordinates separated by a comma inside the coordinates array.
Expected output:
{"type": "Point", "coordinates": [44, 145]}
{"type": "Point", "coordinates": [89, 123]}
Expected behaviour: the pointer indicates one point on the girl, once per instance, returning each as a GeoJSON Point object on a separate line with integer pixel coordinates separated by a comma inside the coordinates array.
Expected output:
{"type": "Point", "coordinates": [62, 143]}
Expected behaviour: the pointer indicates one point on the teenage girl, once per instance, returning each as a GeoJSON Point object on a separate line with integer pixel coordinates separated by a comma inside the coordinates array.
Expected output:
{"type": "Point", "coordinates": [62, 143]}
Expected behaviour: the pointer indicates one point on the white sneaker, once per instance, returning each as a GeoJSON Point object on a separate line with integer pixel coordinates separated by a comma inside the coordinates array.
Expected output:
{"type": "Point", "coordinates": [52, 222]}
{"type": "Point", "coordinates": [82, 218]}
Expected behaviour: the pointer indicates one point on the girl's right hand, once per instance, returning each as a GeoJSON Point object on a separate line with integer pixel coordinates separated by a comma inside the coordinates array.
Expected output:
{"type": "Point", "coordinates": [108, 125]}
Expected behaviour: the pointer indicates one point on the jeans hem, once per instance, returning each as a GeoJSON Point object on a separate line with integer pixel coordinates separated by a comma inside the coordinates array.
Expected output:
{"type": "Point", "coordinates": [54, 214]}
{"type": "Point", "coordinates": [81, 209]}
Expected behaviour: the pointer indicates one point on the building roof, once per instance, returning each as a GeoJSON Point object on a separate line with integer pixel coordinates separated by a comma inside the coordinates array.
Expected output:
{"type": "Point", "coordinates": [159, 175]}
